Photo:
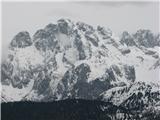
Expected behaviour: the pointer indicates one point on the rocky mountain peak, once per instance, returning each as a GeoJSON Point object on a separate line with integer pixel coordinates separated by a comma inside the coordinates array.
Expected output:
{"type": "Point", "coordinates": [127, 39]}
{"type": "Point", "coordinates": [142, 38]}
{"type": "Point", "coordinates": [106, 33]}
{"type": "Point", "coordinates": [44, 40]}
{"type": "Point", "coordinates": [75, 60]}
{"type": "Point", "coordinates": [145, 38]}
{"type": "Point", "coordinates": [85, 27]}
{"type": "Point", "coordinates": [51, 28]}
{"type": "Point", "coordinates": [21, 40]}
{"type": "Point", "coordinates": [65, 26]}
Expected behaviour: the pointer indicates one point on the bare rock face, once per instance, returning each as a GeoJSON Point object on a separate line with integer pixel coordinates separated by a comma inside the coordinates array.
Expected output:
{"type": "Point", "coordinates": [75, 84]}
{"type": "Point", "coordinates": [44, 40]}
{"type": "Point", "coordinates": [125, 51]}
{"type": "Point", "coordinates": [92, 37]}
{"type": "Point", "coordinates": [85, 27]}
{"type": "Point", "coordinates": [127, 39]}
{"type": "Point", "coordinates": [21, 40]}
{"type": "Point", "coordinates": [6, 73]}
{"type": "Point", "coordinates": [79, 46]}
{"type": "Point", "coordinates": [130, 73]}
{"type": "Point", "coordinates": [157, 37]}
{"type": "Point", "coordinates": [51, 28]}
{"type": "Point", "coordinates": [73, 78]}
{"type": "Point", "coordinates": [145, 38]}
{"type": "Point", "coordinates": [65, 26]}
{"type": "Point", "coordinates": [105, 33]}
{"type": "Point", "coordinates": [142, 38]}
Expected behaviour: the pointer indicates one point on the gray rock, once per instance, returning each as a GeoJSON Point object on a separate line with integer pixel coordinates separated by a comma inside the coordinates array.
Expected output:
{"type": "Point", "coordinates": [157, 39]}
{"type": "Point", "coordinates": [72, 78]}
{"type": "Point", "coordinates": [111, 75]}
{"type": "Point", "coordinates": [21, 40]}
{"type": "Point", "coordinates": [105, 33]}
{"type": "Point", "coordinates": [44, 40]}
{"type": "Point", "coordinates": [93, 38]}
{"type": "Point", "coordinates": [6, 73]}
{"type": "Point", "coordinates": [79, 45]}
{"type": "Point", "coordinates": [130, 73]}
{"type": "Point", "coordinates": [85, 27]}
{"type": "Point", "coordinates": [127, 39]}
{"type": "Point", "coordinates": [156, 55]}
{"type": "Point", "coordinates": [64, 27]}
{"type": "Point", "coordinates": [51, 28]}
{"type": "Point", "coordinates": [156, 64]}
{"type": "Point", "coordinates": [125, 51]}
{"type": "Point", "coordinates": [145, 38]}
{"type": "Point", "coordinates": [149, 52]}
{"type": "Point", "coordinates": [75, 84]}
{"type": "Point", "coordinates": [117, 70]}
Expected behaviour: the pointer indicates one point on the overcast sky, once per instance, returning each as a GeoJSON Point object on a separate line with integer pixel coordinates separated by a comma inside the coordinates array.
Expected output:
{"type": "Point", "coordinates": [118, 16]}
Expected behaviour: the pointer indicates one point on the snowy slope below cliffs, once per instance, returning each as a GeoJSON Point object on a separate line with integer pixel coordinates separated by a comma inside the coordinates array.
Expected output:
{"type": "Point", "coordinates": [24, 60]}
{"type": "Point", "coordinates": [103, 58]}
{"type": "Point", "coordinates": [9, 93]}
{"type": "Point", "coordinates": [143, 65]}
{"type": "Point", "coordinates": [27, 56]}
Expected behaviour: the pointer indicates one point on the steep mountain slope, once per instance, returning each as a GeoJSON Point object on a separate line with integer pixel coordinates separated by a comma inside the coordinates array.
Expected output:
{"type": "Point", "coordinates": [74, 60]}
{"type": "Point", "coordinates": [139, 98]}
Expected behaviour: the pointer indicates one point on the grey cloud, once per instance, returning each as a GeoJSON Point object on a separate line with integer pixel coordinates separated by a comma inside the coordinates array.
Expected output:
{"type": "Point", "coordinates": [116, 4]}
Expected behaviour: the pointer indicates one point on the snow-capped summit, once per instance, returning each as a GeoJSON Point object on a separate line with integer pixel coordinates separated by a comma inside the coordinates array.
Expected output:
{"type": "Point", "coordinates": [71, 59]}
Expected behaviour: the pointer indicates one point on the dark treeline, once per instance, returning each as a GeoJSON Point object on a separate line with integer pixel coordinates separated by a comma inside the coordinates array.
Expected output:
{"type": "Point", "coordinates": [70, 109]}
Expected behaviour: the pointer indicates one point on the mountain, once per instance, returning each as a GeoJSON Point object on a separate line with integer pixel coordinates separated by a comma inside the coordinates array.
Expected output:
{"type": "Point", "coordinates": [139, 98]}
{"type": "Point", "coordinates": [73, 60]}
{"type": "Point", "coordinates": [141, 38]}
